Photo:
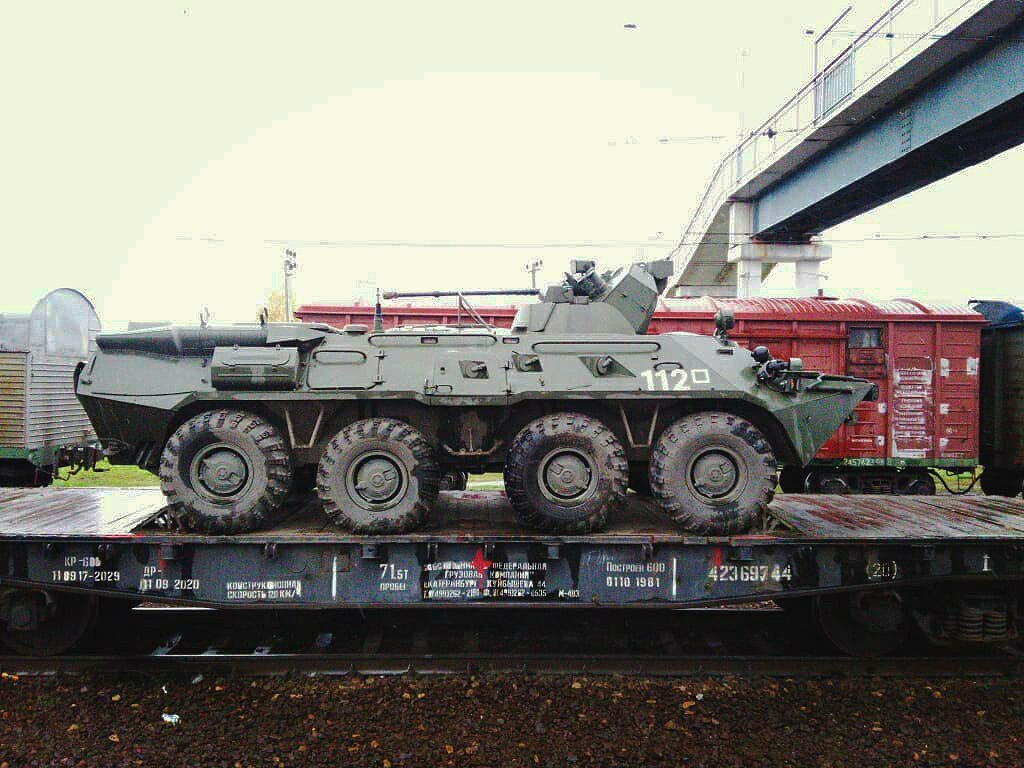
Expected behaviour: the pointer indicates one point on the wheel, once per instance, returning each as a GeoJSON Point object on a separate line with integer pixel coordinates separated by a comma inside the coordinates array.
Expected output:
{"type": "Point", "coordinates": [1000, 482]}
{"type": "Point", "coordinates": [829, 483]}
{"type": "Point", "coordinates": [38, 623]}
{"type": "Point", "coordinates": [713, 473]}
{"type": "Point", "coordinates": [454, 480]}
{"type": "Point", "coordinates": [378, 476]}
{"type": "Point", "coordinates": [914, 483]}
{"type": "Point", "coordinates": [566, 473]}
{"type": "Point", "coordinates": [639, 480]}
{"type": "Point", "coordinates": [226, 472]}
{"type": "Point", "coordinates": [791, 479]}
{"type": "Point", "coordinates": [871, 623]}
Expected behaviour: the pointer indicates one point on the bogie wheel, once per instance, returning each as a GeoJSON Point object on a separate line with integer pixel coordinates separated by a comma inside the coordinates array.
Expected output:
{"type": "Point", "coordinates": [914, 483]}
{"type": "Point", "coordinates": [713, 473]}
{"type": "Point", "coordinates": [455, 480]}
{"type": "Point", "coordinates": [378, 476]}
{"type": "Point", "coordinates": [1000, 482]}
{"type": "Point", "coordinates": [38, 623]}
{"type": "Point", "coordinates": [226, 472]}
{"type": "Point", "coordinates": [828, 482]}
{"type": "Point", "coordinates": [566, 473]}
{"type": "Point", "coordinates": [866, 624]}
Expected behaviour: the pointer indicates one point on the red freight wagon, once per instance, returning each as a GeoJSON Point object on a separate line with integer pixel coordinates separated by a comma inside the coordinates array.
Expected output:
{"type": "Point", "coordinates": [923, 357]}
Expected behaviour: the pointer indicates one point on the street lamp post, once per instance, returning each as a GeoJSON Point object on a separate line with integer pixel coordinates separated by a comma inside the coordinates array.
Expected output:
{"type": "Point", "coordinates": [533, 268]}
{"type": "Point", "coordinates": [290, 266]}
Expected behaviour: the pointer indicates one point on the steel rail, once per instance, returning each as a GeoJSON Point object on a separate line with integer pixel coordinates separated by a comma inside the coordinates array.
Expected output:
{"type": "Point", "coordinates": [1000, 665]}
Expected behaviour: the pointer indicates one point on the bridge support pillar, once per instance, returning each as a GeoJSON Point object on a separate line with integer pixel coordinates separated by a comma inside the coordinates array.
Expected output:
{"type": "Point", "coordinates": [755, 259]}
{"type": "Point", "coordinates": [748, 267]}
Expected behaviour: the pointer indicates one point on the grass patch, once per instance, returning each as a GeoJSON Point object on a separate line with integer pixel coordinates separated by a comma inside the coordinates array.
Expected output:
{"type": "Point", "coordinates": [107, 476]}
{"type": "Point", "coordinates": [489, 481]}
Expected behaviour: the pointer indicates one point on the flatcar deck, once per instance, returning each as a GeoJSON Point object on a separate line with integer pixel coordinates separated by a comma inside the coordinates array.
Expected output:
{"type": "Point", "coordinates": [77, 513]}
{"type": "Point", "coordinates": [110, 542]}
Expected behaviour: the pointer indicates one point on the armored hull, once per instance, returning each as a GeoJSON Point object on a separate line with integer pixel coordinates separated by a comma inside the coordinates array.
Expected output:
{"type": "Point", "coordinates": [573, 404]}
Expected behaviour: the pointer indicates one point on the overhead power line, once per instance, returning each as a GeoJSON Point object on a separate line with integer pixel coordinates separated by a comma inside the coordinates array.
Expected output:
{"type": "Point", "coordinates": [689, 237]}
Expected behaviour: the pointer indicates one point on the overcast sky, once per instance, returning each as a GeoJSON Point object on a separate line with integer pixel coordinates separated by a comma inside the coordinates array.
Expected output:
{"type": "Point", "coordinates": [153, 153]}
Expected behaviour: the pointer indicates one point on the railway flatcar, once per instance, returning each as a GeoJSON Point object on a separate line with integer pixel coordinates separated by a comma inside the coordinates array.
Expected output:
{"type": "Point", "coordinates": [42, 425]}
{"type": "Point", "coordinates": [924, 357]}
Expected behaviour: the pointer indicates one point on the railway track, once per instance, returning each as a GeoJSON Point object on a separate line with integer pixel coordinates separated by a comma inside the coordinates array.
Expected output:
{"type": "Point", "coordinates": [761, 641]}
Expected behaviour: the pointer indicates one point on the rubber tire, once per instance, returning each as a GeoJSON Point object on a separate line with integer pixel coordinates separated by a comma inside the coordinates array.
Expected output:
{"type": "Point", "coordinates": [1000, 482]}
{"type": "Point", "coordinates": [264, 447]}
{"type": "Point", "coordinates": [684, 439]}
{"type": "Point", "coordinates": [565, 430]}
{"type": "Point", "coordinates": [404, 443]}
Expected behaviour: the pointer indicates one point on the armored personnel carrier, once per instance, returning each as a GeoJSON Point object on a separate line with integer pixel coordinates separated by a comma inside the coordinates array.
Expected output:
{"type": "Point", "coordinates": [573, 404]}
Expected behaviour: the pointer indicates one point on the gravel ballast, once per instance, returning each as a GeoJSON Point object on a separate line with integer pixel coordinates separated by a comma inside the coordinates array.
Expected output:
{"type": "Point", "coordinates": [108, 720]}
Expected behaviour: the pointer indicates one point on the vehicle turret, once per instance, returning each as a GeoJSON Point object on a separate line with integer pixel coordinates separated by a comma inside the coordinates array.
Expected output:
{"type": "Point", "coordinates": [586, 301]}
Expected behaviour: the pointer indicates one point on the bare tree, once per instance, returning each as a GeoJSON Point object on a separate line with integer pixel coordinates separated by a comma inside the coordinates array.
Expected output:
{"type": "Point", "coordinates": [275, 307]}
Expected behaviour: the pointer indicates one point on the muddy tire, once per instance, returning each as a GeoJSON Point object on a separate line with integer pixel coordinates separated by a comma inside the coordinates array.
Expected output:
{"type": "Point", "coordinates": [378, 476]}
{"type": "Point", "coordinates": [566, 473]}
{"type": "Point", "coordinates": [226, 472]}
{"type": "Point", "coordinates": [713, 473]}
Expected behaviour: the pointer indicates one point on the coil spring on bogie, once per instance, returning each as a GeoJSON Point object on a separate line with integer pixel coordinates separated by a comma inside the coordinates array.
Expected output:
{"type": "Point", "coordinates": [972, 623]}
{"type": "Point", "coordinates": [996, 624]}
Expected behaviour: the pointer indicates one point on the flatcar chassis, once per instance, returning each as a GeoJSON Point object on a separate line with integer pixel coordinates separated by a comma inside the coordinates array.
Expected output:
{"type": "Point", "coordinates": [954, 564]}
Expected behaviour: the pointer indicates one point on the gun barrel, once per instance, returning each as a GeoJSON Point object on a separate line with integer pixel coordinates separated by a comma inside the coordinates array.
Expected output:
{"type": "Point", "coordinates": [442, 294]}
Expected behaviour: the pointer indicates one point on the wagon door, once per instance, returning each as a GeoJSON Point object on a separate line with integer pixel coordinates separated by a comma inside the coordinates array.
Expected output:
{"type": "Point", "coordinates": [957, 395]}
{"type": "Point", "coordinates": [865, 357]}
{"type": "Point", "coordinates": [912, 417]}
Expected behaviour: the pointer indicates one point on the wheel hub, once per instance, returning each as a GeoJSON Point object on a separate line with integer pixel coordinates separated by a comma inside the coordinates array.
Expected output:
{"type": "Point", "coordinates": [377, 479]}
{"type": "Point", "coordinates": [567, 475]}
{"type": "Point", "coordinates": [222, 471]}
{"type": "Point", "coordinates": [714, 474]}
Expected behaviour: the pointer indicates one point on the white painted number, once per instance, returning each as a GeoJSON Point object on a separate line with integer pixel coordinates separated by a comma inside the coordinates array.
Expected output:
{"type": "Point", "coordinates": [750, 573]}
{"type": "Point", "coordinates": [676, 380]}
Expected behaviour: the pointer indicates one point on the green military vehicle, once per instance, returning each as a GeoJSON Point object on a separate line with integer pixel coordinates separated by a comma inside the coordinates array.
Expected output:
{"type": "Point", "coordinates": [573, 403]}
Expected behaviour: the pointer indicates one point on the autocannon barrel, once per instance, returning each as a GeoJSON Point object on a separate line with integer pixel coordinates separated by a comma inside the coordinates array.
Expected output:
{"type": "Point", "coordinates": [442, 294]}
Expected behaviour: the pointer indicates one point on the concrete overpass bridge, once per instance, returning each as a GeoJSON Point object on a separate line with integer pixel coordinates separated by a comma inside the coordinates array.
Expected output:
{"type": "Point", "coordinates": [930, 88]}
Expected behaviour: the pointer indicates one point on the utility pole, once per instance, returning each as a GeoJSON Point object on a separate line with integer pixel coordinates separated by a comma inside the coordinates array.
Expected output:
{"type": "Point", "coordinates": [290, 265]}
{"type": "Point", "coordinates": [533, 268]}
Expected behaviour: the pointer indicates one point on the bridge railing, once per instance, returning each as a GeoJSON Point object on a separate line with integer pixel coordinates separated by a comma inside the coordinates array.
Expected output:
{"type": "Point", "coordinates": [881, 46]}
